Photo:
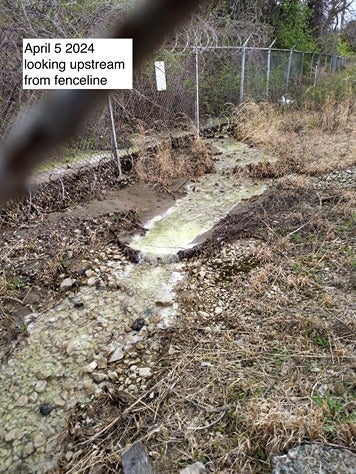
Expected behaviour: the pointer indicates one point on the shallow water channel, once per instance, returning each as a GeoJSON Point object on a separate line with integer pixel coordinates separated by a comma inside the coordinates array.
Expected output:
{"type": "Point", "coordinates": [76, 347]}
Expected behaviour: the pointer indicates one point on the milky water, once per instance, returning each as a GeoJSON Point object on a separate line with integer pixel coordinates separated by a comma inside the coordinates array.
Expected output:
{"type": "Point", "coordinates": [207, 201]}
{"type": "Point", "coordinates": [50, 367]}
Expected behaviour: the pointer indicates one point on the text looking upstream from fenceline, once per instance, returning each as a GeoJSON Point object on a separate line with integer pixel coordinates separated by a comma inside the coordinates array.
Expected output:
{"type": "Point", "coordinates": [80, 63]}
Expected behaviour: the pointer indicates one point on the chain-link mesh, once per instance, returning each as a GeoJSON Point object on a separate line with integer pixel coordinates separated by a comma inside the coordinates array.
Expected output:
{"type": "Point", "coordinates": [201, 84]}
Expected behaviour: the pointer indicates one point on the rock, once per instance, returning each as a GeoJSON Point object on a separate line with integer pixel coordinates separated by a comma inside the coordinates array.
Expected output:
{"type": "Point", "coordinates": [22, 401]}
{"type": "Point", "coordinates": [43, 373]}
{"type": "Point", "coordinates": [155, 319]}
{"type": "Point", "coordinates": [135, 460]}
{"type": "Point", "coordinates": [315, 459]}
{"type": "Point", "coordinates": [80, 344]}
{"type": "Point", "coordinates": [196, 468]}
{"type": "Point", "coordinates": [28, 449]}
{"type": "Point", "coordinates": [69, 455]}
{"type": "Point", "coordinates": [90, 367]}
{"type": "Point", "coordinates": [172, 350]}
{"type": "Point", "coordinates": [102, 363]}
{"type": "Point", "coordinates": [67, 283]}
{"type": "Point", "coordinates": [33, 397]}
{"type": "Point", "coordinates": [138, 324]}
{"type": "Point", "coordinates": [77, 302]}
{"type": "Point", "coordinates": [41, 386]}
{"type": "Point", "coordinates": [145, 372]}
{"type": "Point", "coordinates": [164, 303]}
{"type": "Point", "coordinates": [46, 408]}
{"type": "Point", "coordinates": [218, 310]}
{"type": "Point", "coordinates": [140, 347]}
{"type": "Point", "coordinates": [89, 273]}
{"type": "Point", "coordinates": [98, 377]}
{"type": "Point", "coordinates": [39, 441]}
{"type": "Point", "coordinates": [118, 354]}
{"type": "Point", "coordinates": [203, 314]}
{"type": "Point", "coordinates": [59, 402]}
{"type": "Point", "coordinates": [91, 281]}
{"type": "Point", "coordinates": [12, 435]}
{"type": "Point", "coordinates": [112, 376]}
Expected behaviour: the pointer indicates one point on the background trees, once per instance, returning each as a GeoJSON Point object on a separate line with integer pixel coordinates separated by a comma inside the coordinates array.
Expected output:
{"type": "Point", "coordinates": [306, 24]}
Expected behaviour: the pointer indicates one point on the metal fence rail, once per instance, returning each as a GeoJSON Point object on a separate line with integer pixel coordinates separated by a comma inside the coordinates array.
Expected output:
{"type": "Point", "coordinates": [199, 83]}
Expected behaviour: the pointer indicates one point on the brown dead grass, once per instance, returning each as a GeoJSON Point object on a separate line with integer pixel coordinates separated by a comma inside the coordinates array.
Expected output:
{"type": "Point", "coordinates": [305, 140]}
{"type": "Point", "coordinates": [159, 163]}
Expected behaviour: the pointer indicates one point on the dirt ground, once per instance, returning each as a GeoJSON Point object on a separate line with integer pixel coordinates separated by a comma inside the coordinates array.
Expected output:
{"type": "Point", "coordinates": [37, 249]}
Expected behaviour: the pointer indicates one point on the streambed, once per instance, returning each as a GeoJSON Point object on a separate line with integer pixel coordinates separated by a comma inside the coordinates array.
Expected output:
{"type": "Point", "coordinates": [101, 334]}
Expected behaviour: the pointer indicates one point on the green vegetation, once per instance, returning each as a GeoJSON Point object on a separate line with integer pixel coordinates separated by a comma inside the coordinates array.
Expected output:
{"type": "Point", "coordinates": [292, 26]}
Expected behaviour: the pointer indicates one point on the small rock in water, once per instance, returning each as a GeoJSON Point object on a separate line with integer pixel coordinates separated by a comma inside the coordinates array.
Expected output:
{"type": "Point", "coordinates": [138, 324]}
{"type": "Point", "coordinates": [39, 440]}
{"type": "Point", "coordinates": [43, 373]}
{"type": "Point", "coordinates": [79, 345]}
{"type": "Point", "coordinates": [46, 408]}
{"type": "Point", "coordinates": [40, 386]}
{"type": "Point", "coordinates": [12, 435]}
{"type": "Point", "coordinates": [28, 449]}
{"type": "Point", "coordinates": [77, 302]}
{"type": "Point", "coordinates": [21, 401]}
{"type": "Point", "coordinates": [33, 397]}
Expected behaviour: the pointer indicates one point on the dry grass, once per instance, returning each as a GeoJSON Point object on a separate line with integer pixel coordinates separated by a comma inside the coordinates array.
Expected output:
{"type": "Point", "coordinates": [159, 163]}
{"type": "Point", "coordinates": [310, 138]}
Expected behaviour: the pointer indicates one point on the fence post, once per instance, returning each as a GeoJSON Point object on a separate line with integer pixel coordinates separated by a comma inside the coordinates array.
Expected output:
{"type": "Point", "coordinates": [197, 105]}
{"type": "Point", "coordinates": [302, 66]}
{"type": "Point", "coordinates": [316, 73]}
{"type": "Point", "coordinates": [113, 136]}
{"type": "Point", "coordinates": [311, 65]}
{"type": "Point", "coordinates": [242, 76]}
{"type": "Point", "coordinates": [269, 67]}
{"type": "Point", "coordinates": [289, 67]}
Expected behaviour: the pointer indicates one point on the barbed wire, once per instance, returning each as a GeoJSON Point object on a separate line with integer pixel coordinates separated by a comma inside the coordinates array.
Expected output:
{"type": "Point", "coordinates": [203, 87]}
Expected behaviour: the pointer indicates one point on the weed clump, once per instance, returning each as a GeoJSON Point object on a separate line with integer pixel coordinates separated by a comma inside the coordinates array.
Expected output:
{"type": "Point", "coordinates": [159, 162]}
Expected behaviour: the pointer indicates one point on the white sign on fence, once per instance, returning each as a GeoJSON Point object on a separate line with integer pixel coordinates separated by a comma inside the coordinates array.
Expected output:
{"type": "Point", "coordinates": [160, 76]}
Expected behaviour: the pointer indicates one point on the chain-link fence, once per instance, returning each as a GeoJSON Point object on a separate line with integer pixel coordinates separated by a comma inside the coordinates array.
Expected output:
{"type": "Point", "coordinates": [202, 82]}
{"type": "Point", "coordinates": [198, 85]}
